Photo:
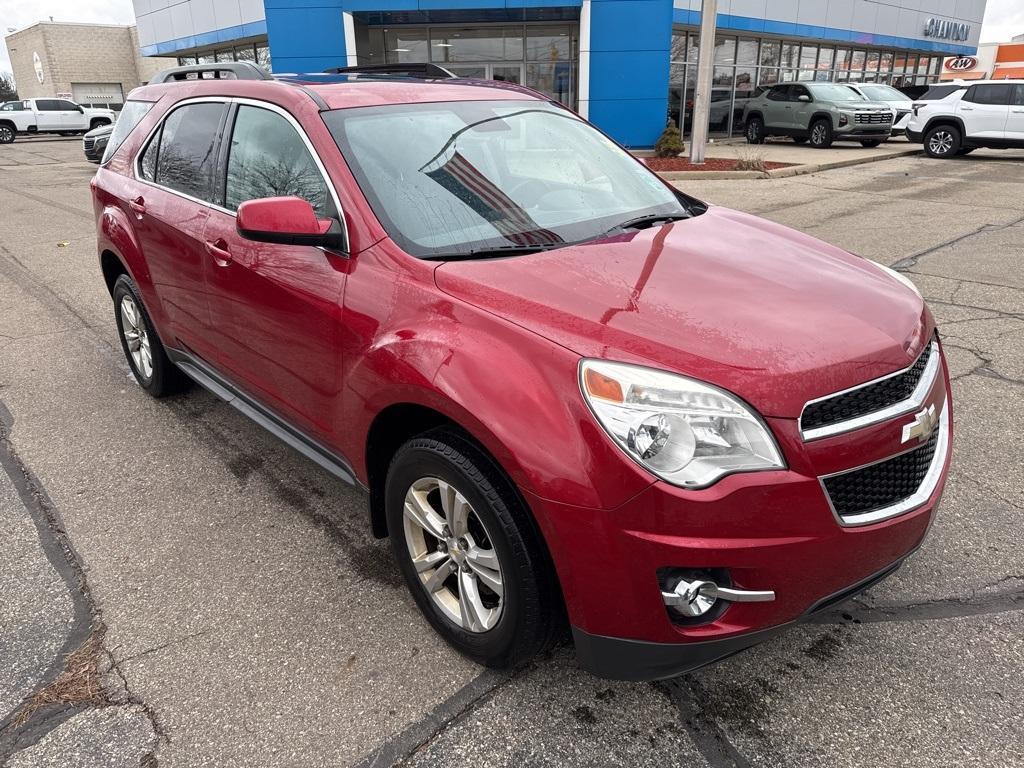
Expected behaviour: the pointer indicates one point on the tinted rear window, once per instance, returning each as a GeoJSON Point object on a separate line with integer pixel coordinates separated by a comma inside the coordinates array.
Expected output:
{"type": "Point", "coordinates": [989, 93]}
{"type": "Point", "coordinates": [130, 117]}
{"type": "Point", "coordinates": [186, 152]}
{"type": "Point", "coordinates": [937, 92]}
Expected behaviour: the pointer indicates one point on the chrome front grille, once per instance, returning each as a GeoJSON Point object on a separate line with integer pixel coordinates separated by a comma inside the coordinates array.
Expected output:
{"type": "Point", "coordinates": [873, 401]}
{"type": "Point", "coordinates": [873, 118]}
{"type": "Point", "coordinates": [87, 144]}
{"type": "Point", "coordinates": [890, 487]}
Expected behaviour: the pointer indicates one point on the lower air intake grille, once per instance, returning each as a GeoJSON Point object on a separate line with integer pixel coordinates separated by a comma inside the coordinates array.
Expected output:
{"type": "Point", "coordinates": [881, 485]}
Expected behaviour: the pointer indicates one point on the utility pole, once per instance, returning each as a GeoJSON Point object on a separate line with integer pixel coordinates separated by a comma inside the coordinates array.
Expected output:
{"type": "Point", "coordinates": [705, 69]}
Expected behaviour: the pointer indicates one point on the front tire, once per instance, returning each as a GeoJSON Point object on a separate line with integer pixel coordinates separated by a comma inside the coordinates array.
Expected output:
{"type": "Point", "coordinates": [142, 348]}
{"type": "Point", "coordinates": [871, 143]}
{"type": "Point", "coordinates": [942, 142]}
{"type": "Point", "coordinates": [6, 134]}
{"type": "Point", "coordinates": [470, 554]}
{"type": "Point", "coordinates": [97, 123]}
{"type": "Point", "coordinates": [821, 133]}
{"type": "Point", "coordinates": [755, 131]}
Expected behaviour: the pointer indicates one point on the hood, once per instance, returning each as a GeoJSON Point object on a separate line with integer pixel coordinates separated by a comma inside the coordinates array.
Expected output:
{"type": "Point", "coordinates": [770, 314]}
{"type": "Point", "coordinates": [870, 105]}
{"type": "Point", "coordinates": [103, 130]}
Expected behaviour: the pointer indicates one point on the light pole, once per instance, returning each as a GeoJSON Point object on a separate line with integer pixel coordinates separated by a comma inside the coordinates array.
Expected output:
{"type": "Point", "coordinates": [702, 99]}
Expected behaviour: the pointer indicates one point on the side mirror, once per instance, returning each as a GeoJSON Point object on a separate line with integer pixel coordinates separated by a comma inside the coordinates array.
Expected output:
{"type": "Point", "coordinates": [803, 97]}
{"type": "Point", "coordinates": [288, 221]}
{"type": "Point", "coordinates": [81, 111]}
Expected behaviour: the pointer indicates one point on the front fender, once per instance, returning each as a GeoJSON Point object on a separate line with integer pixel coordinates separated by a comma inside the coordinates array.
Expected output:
{"type": "Point", "coordinates": [513, 391]}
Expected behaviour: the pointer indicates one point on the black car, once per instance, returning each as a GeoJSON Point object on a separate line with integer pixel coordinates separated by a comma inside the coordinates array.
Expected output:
{"type": "Point", "coordinates": [95, 143]}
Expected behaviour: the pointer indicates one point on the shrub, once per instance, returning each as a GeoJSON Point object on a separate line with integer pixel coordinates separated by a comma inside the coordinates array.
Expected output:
{"type": "Point", "coordinates": [670, 143]}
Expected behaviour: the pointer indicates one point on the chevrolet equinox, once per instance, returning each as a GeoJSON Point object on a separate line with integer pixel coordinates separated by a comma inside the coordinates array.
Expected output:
{"type": "Point", "coordinates": [572, 394]}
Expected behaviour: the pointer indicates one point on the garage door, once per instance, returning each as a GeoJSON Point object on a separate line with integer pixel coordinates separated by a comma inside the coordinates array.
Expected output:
{"type": "Point", "coordinates": [98, 95]}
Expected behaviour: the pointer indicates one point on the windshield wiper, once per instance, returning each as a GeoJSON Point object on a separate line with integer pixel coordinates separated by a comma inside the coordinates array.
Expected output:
{"type": "Point", "coordinates": [643, 222]}
{"type": "Point", "coordinates": [498, 251]}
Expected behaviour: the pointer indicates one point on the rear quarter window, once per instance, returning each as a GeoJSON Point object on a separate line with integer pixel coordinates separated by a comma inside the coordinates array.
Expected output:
{"type": "Point", "coordinates": [937, 92]}
{"type": "Point", "coordinates": [127, 122]}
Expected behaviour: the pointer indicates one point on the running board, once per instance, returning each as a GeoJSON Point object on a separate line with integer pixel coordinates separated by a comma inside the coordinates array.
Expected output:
{"type": "Point", "coordinates": [206, 377]}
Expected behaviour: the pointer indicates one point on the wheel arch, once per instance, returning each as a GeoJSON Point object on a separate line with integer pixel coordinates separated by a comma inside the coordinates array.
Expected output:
{"type": "Point", "coordinates": [952, 120]}
{"type": "Point", "coordinates": [820, 115]}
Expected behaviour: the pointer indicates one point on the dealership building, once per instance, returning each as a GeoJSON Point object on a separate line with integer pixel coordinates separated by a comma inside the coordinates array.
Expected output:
{"type": "Point", "coordinates": [627, 65]}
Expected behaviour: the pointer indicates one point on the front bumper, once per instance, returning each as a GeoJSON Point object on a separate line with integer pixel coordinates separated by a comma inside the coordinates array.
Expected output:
{"type": "Point", "coordinates": [773, 530]}
{"type": "Point", "coordinates": [863, 133]}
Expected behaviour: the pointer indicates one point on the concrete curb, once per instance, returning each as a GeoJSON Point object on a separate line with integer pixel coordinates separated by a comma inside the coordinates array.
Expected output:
{"type": "Point", "coordinates": [782, 173]}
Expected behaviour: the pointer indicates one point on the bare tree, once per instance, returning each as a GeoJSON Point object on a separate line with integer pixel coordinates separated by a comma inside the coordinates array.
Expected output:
{"type": "Point", "coordinates": [8, 90]}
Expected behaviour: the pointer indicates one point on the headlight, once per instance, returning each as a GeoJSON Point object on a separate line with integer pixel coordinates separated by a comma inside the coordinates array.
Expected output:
{"type": "Point", "coordinates": [898, 275]}
{"type": "Point", "coordinates": [687, 433]}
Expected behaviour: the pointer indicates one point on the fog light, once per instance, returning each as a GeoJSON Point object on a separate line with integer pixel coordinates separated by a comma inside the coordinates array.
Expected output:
{"type": "Point", "coordinates": [843, 120]}
{"type": "Point", "coordinates": [697, 597]}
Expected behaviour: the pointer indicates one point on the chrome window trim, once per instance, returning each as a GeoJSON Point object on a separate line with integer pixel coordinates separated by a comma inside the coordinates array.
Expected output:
{"type": "Point", "coordinates": [916, 399]}
{"type": "Point", "coordinates": [227, 101]}
{"type": "Point", "coordinates": [919, 497]}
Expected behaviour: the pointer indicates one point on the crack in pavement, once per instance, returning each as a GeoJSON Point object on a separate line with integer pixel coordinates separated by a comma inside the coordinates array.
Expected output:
{"type": "Point", "coordinates": [904, 264]}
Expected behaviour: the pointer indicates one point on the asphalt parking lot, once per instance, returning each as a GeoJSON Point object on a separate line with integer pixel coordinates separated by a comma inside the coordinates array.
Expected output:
{"type": "Point", "coordinates": [178, 588]}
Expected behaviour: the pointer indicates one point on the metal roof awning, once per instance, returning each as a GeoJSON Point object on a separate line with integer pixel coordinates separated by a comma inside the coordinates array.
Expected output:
{"type": "Point", "coordinates": [949, 76]}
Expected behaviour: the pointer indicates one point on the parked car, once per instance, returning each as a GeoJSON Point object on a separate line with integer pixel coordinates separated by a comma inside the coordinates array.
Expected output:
{"type": "Point", "coordinates": [34, 116]}
{"type": "Point", "coordinates": [901, 104]}
{"type": "Point", "coordinates": [566, 388]}
{"type": "Point", "coordinates": [95, 142]}
{"type": "Point", "coordinates": [955, 119]}
{"type": "Point", "coordinates": [820, 113]}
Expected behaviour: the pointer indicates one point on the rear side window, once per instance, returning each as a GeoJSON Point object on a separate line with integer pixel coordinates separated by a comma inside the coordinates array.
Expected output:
{"type": "Point", "coordinates": [989, 93]}
{"type": "Point", "coordinates": [778, 93]}
{"type": "Point", "coordinates": [182, 155]}
{"type": "Point", "coordinates": [67, 106]}
{"type": "Point", "coordinates": [1018, 95]}
{"type": "Point", "coordinates": [129, 118]}
{"type": "Point", "coordinates": [268, 158]}
{"type": "Point", "coordinates": [937, 92]}
{"type": "Point", "coordinates": [48, 105]}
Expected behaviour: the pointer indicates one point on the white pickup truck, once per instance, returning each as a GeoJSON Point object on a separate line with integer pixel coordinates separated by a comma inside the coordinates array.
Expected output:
{"type": "Point", "coordinates": [31, 116]}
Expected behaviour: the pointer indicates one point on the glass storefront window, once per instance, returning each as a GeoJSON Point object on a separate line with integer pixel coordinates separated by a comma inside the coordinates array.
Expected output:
{"type": "Point", "coordinates": [548, 44]}
{"type": "Point", "coordinates": [225, 55]}
{"type": "Point", "coordinates": [767, 76]}
{"type": "Point", "coordinates": [911, 63]}
{"type": "Point", "coordinates": [186, 61]}
{"type": "Point", "coordinates": [746, 51]}
{"type": "Point", "coordinates": [843, 58]}
{"type": "Point", "coordinates": [825, 57]}
{"type": "Point", "coordinates": [692, 47]}
{"type": "Point", "coordinates": [678, 46]}
{"type": "Point", "coordinates": [885, 63]}
{"type": "Point", "coordinates": [871, 62]}
{"type": "Point", "coordinates": [744, 91]}
{"type": "Point", "coordinates": [406, 46]}
{"type": "Point", "coordinates": [478, 44]}
{"type": "Point", "coordinates": [809, 57]}
{"type": "Point", "coordinates": [725, 50]}
{"type": "Point", "coordinates": [857, 64]}
{"type": "Point", "coordinates": [771, 52]}
{"type": "Point", "coordinates": [263, 57]}
{"type": "Point", "coordinates": [245, 53]}
{"type": "Point", "coordinates": [206, 58]}
{"type": "Point", "coordinates": [554, 79]}
{"type": "Point", "coordinates": [790, 54]}
{"type": "Point", "coordinates": [922, 65]}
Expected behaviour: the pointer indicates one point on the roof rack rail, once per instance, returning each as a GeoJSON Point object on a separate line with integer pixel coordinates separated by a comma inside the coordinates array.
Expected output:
{"type": "Point", "coordinates": [226, 70]}
{"type": "Point", "coordinates": [424, 71]}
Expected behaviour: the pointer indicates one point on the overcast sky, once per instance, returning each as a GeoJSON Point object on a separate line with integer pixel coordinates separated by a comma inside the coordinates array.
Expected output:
{"type": "Point", "coordinates": [1003, 18]}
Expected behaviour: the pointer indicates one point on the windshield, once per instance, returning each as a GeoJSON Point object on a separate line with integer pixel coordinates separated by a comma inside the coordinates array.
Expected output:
{"type": "Point", "coordinates": [453, 178]}
{"type": "Point", "coordinates": [883, 93]}
{"type": "Point", "coordinates": [832, 92]}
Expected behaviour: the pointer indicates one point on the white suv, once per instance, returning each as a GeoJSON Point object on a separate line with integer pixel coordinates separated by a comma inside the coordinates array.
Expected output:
{"type": "Point", "coordinates": [956, 118]}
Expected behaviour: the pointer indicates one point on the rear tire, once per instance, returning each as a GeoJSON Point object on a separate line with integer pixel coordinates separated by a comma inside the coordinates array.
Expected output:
{"type": "Point", "coordinates": [6, 134]}
{"type": "Point", "coordinates": [141, 345]}
{"type": "Point", "coordinates": [97, 123]}
{"type": "Point", "coordinates": [755, 131]}
{"type": "Point", "coordinates": [942, 142]}
{"type": "Point", "coordinates": [821, 133]}
{"type": "Point", "coordinates": [965, 150]}
{"type": "Point", "coordinates": [451, 516]}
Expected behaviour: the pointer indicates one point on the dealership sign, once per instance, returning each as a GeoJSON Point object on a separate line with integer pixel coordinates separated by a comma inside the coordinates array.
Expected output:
{"type": "Point", "coordinates": [946, 30]}
{"type": "Point", "coordinates": [38, 64]}
{"type": "Point", "coordinates": [961, 63]}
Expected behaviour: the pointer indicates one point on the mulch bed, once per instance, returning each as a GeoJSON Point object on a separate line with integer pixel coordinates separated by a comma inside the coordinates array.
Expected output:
{"type": "Point", "coordinates": [710, 164]}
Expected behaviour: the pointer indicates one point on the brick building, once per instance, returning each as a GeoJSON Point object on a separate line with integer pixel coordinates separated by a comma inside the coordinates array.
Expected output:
{"type": "Point", "coordinates": [92, 64]}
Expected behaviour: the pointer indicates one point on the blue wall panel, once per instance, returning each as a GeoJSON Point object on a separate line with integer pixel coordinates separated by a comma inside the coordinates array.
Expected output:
{"type": "Point", "coordinates": [630, 43]}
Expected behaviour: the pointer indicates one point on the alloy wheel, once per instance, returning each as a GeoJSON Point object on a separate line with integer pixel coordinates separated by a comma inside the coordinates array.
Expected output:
{"type": "Point", "coordinates": [752, 131]}
{"type": "Point", "coordinates": [6, 134]}
{"type": "Point", "coordinates": [941, 142]}
{"type": "Point", "coordinates": [818, 134]}
{"type": "Point", "coordinates": [134, 329]}
{"type": "Point", "coordinates": [453, 554]}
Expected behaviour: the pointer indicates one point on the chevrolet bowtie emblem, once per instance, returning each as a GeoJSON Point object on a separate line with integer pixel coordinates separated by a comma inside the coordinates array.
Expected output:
{"type": "Point", "coordinates": [922, 426]}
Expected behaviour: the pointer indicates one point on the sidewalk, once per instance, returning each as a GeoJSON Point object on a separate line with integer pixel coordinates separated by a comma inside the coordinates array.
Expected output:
{"type": "Point", "coordinates": [802, 158]}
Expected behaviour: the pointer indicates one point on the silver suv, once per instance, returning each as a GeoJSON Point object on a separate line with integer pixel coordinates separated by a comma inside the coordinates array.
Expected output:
{"type": "Point", "coordinates": [819, 113]}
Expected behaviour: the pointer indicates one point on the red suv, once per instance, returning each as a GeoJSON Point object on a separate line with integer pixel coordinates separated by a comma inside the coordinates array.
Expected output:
{"type": "Point", "coordinates": [568, 390]}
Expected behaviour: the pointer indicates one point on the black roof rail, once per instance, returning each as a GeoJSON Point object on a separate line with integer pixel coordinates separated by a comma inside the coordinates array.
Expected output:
{"type": "Point", "coordinates": [424, 71]}
{"type": "Point", "coordinates": [225, 70]}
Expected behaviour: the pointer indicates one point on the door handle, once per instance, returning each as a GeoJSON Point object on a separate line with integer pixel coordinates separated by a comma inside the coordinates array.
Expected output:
{"type": "Point", "coordinates": [138, 205]}
{"type": "Point", "coordinates": [966, 109]}
{"type": "Point", "coordinates": [219, 250]}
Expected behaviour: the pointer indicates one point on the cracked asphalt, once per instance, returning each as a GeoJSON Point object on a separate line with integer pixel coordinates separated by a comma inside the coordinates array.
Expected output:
{"type": "Point", "coordinates": [234, 609]}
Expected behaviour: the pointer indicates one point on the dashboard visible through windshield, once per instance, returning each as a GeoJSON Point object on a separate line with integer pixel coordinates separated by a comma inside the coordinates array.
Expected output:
{"type": "Point", "coordinates": [454, 179]}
